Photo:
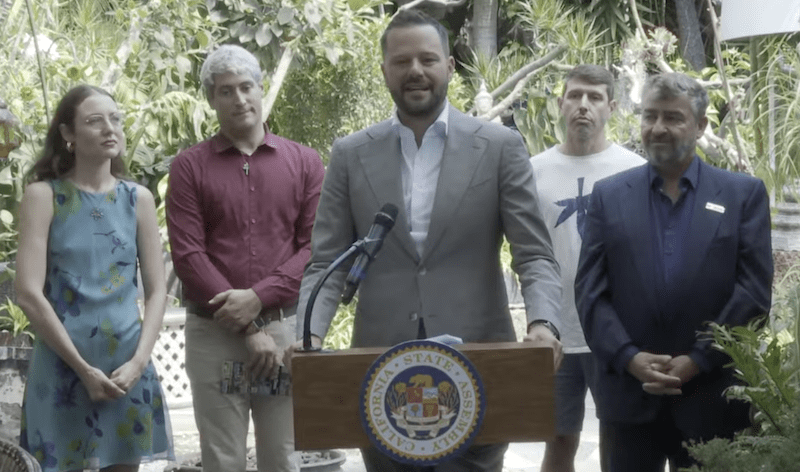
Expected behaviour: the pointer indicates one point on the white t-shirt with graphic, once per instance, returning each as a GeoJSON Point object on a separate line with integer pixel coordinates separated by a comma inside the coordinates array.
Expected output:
{"type": "Point", "coordinates": [564, 184]}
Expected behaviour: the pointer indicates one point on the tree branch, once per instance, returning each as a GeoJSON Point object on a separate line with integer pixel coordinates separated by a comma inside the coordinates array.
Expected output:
{"type": "Point", "coordinates": [123, 52]}
{"type": "Point", "coordinates": [42, 75]}
{"type": "Point", "coordinates": [517, 81]}
{"type": "Point", "coordinates": [525, 71]}
{"type": "Point", "coordinates": [715, 84]}
{"type": "Point", "coordinates": [743, 162]}
{"type": "Point", "coordinates": [445, 3]}
{"type": "Point", "coordinates": [509, 99]}
{"type": "Point", "coordinates": [636, 19]}
{"type": "Point", "coordinates": [277, 80]}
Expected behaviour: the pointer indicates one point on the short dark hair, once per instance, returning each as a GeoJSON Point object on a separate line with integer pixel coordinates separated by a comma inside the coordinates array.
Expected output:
{"type": "Point", "coordinates": [56, 160]}
{"type": "Point", "coordinates": [593, 74]}
{"type": "Point", "coordinates": [675, 84]}
{"type": "Point", "coordinates": [407, 18]}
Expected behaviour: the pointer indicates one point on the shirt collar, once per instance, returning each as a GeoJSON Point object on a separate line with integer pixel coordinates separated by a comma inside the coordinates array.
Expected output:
{"type": "Point", "coordinates": [443, 118]}
{"type": "Point", "coordinates": [220, 143]}
{"type": "Point", "coordinates": [689, 177]}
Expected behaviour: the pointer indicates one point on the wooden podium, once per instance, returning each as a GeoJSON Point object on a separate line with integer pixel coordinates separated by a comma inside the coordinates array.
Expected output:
{"type": "Point", "coordinates": [518, 382]}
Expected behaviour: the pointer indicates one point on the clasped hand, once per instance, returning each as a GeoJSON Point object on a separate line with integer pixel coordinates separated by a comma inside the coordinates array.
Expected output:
{"type": "Point", "coordinates": [263, 356]}
{"type": "Point", "coordinates": [102, 388]}
{"type": "Point", "coordinates": [662, 374]}
{"type": "Point", "coordinates": [239, 309]}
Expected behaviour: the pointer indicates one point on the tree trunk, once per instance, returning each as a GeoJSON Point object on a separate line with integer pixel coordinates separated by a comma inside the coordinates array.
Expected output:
{"type": "Point", "coordinates": [689, 35]}
{"type": "Point", "coordinates": [484, 27]}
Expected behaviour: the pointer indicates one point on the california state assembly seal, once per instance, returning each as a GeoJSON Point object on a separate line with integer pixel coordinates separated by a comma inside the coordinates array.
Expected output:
{"type": "Point", "coordinates": [422, 403]}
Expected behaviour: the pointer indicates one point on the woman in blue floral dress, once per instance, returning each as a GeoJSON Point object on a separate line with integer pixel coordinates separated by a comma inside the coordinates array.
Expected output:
{"type": "Point", "coordinates": [93, 400]}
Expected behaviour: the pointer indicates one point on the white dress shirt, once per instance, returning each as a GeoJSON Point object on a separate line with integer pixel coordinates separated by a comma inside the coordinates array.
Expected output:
{"type": "Point", "coordinates": [420, 173]}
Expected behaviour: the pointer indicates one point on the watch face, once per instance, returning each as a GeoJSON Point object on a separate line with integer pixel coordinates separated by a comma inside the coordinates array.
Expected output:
{"type": "Point", "coordinates": [549, 326]}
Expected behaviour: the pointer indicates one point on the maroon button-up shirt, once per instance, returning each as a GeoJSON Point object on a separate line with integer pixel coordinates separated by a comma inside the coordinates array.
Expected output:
{"type": "Point", "coordinates": [238, 221]}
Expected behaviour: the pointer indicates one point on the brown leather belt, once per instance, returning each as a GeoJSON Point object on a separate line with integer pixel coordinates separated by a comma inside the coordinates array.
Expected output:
{"type": "Point", "coordinates": [267, 314]}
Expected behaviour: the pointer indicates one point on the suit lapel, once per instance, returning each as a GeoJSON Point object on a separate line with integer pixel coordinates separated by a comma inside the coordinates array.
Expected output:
{"type": "Point", "coordinates": [380, 158]}
{"type": "Point", "coordinates": [635, 211]}
{"type": "Point", "coordinates": [704, 224]}
{"type": "Point", "coordinates": [462, 153]}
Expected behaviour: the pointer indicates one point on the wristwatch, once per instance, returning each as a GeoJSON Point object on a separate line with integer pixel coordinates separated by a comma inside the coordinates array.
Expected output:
{"type": "Point", "coordinates": [547, 325]}
{"type": "Point", "coordinates": [261, 322]}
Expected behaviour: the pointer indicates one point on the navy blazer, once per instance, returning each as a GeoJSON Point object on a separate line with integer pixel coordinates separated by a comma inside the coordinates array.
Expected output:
{"type": "Point", "coordinates": [726, 278]}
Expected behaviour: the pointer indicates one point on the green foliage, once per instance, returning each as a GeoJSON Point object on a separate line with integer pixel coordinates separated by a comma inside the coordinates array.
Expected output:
{"type": "Point", "coordinates": [615, 19]}
{"type": "Point", "coordinates": [10, 194]}
{"type": "Point", "coordinates": [145, 54]}
{"type": "Point", "coordinates": [767, 359]}
{"type": "Point", "coordinates": [8, 232]}
{"type": "Point", "coordinates": [540, 121]}
{"type": "Point", "coordinates": [13, 319]}
{"type": "Point", "coordinates": [322, 100]}
{"type": "Point", "coordinates": [767, 364]}
{"type": "Point", "coordinates": [148, 55]}
{"type": "Point", "coordinates": [496, 70]}
{"type": "Point", "coordinates": [340, 333]}
{"type": "Point", "coordinates": [751, 453]}
{"type": "Point", "coordinates": [623, 128]}
{"type": "Point", "coordinates": [776, 109]}
{"type": "Point", "coordinates": [268, 27]}
{"type": "Point", "coordinates": [549, 22]}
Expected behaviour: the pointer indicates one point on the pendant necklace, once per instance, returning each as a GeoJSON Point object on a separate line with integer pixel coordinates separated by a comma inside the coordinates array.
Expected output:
{"type": "Point", "coordinates": [246, 165]}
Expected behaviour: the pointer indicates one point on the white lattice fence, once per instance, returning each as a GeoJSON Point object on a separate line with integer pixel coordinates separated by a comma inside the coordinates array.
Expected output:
{"type": "Point", "coordinates": [169, 359]}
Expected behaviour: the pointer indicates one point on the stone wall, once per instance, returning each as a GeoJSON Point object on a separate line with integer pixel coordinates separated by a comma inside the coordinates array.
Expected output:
{"type": "Point", "coordinates": [786, 227]}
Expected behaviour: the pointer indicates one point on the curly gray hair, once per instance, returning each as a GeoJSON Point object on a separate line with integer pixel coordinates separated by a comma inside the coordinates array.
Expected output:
{"type": "Point", "coordinates": [229, 58]}
{"type": "Point", "coordinates": [675, 84]}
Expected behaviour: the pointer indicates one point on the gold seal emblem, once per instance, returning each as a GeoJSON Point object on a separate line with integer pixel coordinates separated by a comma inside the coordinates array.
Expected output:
{"type": "Point", "coordinates": [422, 403]}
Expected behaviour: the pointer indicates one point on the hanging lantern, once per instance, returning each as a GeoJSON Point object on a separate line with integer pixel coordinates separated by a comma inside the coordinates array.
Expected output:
{"type": "Point", "coordinates": [9, 131]}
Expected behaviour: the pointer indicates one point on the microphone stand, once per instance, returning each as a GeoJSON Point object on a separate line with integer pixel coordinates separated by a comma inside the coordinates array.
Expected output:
{"type": "Point", "coordinates": [357, 246]}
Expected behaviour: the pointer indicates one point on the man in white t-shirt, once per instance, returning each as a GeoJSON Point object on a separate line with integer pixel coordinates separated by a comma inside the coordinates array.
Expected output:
{"type": "Point", "coordinates": [565, 175]}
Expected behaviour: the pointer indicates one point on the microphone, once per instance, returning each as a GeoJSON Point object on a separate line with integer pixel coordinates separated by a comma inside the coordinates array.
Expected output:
{"type": "Point", "coordinates": [370, 245]}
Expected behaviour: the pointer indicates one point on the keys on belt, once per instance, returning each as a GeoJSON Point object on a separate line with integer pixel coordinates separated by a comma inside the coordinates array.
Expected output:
{"type": "Point", "coordinates": [234, 380]}
{"type": "Point", "coordinates": [268, 316]}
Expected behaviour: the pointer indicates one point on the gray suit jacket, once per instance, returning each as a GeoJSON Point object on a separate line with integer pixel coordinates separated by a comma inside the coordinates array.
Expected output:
{"type": "Point", "coordinates": [486, 189]}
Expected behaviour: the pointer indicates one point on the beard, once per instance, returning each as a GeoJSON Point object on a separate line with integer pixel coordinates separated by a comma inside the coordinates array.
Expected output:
{"type": "Point", "coordinates": [673, 156]}
{"type": "Point", "coordinates": [420, 108]}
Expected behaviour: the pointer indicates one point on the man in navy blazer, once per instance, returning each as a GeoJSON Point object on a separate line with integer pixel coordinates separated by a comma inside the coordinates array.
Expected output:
{"type": "Point", "coordinates": [668, 247]}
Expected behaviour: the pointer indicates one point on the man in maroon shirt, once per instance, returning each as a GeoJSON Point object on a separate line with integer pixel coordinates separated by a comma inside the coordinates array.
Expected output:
{"type": "Point", "coordinates": [240, 209]}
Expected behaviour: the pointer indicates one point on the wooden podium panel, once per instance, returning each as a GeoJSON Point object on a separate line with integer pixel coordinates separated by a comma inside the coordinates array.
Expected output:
{"type": "Point", "coordinates": [517, 378]}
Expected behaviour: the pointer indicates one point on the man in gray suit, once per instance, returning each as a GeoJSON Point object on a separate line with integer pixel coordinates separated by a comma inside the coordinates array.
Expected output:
{"type": "Point", "coordinates": [460, 184]}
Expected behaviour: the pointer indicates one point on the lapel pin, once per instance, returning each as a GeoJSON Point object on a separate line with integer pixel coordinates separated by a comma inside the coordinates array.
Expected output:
{"type": "Point", "coordinates": [714, 207]}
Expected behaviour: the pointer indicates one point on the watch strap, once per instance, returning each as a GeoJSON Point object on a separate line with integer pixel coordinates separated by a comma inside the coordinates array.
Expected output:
{"type": "Point", "coordinates": [549, 325]}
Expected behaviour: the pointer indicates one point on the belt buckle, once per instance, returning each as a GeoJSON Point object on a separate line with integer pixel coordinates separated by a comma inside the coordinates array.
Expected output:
{"type": "Point", "coordinates": [262, 322]}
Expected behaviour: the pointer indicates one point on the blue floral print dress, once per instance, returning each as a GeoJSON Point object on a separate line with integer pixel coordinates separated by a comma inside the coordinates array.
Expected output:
{"type": "Point", "coordinates": [91, 283]}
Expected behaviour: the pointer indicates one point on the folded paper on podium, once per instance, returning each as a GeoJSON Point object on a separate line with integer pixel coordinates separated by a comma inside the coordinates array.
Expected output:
{"type": "Point", "coordinates": [517, 377]}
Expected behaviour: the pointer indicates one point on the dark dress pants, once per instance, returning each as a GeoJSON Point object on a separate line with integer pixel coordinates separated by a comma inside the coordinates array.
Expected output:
{"type": "Point", "coordinates": [645, 447]}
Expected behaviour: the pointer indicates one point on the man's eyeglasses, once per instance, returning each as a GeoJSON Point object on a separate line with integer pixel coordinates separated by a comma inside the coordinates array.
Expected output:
{"type": "Point", "coordinates": [98, 121]}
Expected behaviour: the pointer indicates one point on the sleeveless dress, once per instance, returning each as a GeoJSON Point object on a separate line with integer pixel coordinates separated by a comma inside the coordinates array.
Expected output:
{"type": "Point", "coordinates": [91, 284]}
